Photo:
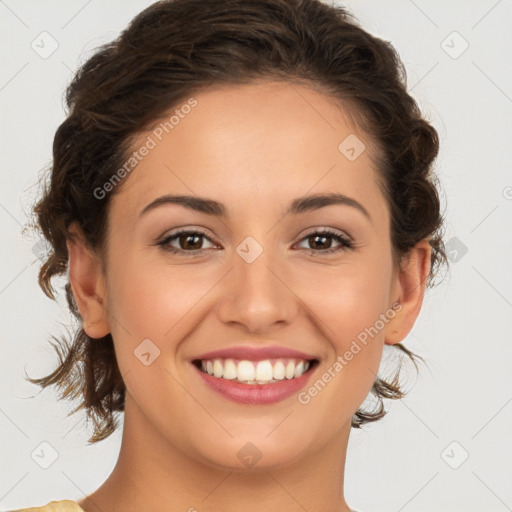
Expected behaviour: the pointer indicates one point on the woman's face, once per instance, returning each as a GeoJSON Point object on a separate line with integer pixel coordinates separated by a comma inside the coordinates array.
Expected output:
{"type": "Point", "coordinates": [256, 278]}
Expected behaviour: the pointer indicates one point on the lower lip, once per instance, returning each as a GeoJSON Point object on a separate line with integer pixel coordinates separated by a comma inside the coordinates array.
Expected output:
{"type": "Point", "coordinates": [255, 394]}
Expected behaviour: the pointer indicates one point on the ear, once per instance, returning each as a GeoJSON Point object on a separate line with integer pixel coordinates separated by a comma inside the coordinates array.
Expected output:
{"type": "Point", "coordinates": [87, 283]}
{"type": "Point", "coordinates": [408, 291]}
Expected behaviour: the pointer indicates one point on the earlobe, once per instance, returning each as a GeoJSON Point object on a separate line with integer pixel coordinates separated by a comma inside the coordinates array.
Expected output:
{"type": "Point", "coordinates": [410, 285]}
{"type": "Point", "coordinates": [87, 283]}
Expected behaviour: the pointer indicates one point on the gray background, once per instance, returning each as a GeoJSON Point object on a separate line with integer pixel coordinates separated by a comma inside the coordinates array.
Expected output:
{"type": "Point", "coordinates": [414, 459]}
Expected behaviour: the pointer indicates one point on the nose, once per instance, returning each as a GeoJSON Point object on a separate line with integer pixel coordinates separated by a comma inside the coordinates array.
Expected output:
{"type": "Point", "coordinates": [258, 295]}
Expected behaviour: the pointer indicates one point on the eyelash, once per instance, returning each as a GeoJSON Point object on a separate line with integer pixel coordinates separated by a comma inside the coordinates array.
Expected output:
{"type": "Point", "coordinates": [345, 242]}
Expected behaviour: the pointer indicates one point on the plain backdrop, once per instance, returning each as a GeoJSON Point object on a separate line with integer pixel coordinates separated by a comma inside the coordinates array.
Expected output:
{"type": "Point", "coordinates": [448, 445]}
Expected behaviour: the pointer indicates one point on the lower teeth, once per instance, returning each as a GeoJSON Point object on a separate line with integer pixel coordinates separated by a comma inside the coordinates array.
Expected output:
{"type": "Point", "coordinates": [255, 381]}
{"type": "Point", "coordinates": [251, 381]}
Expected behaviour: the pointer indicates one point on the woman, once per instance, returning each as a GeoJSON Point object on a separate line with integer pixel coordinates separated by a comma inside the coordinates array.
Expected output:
{"type": "Point", "coordinates": [242, 195]}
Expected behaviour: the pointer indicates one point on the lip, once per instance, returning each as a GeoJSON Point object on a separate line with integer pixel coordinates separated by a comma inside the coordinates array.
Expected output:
{"type": "Point", "coordinates": [255, 354]}
{"type": "Point", "coordinates": [255, 394]}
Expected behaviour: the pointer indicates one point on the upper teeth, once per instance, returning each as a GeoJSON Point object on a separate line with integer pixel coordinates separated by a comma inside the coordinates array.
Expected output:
{"type": "Point", "coordinates": [255, 372]}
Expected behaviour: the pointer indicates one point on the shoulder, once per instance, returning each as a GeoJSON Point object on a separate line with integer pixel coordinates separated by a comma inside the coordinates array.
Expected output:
{"type": "Point", "coordinates": [53, 506]}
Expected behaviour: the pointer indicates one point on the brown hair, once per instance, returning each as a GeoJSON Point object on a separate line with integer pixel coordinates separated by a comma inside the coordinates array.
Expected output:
{"type": "Point", "coordinates": [175, 48]}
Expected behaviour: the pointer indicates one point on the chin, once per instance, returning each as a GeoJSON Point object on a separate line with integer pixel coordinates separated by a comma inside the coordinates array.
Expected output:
{"type": "Point", "coordinates": [247, 454]}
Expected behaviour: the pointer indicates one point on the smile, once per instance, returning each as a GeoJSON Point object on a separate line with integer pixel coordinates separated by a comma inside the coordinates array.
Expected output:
{"type": "Point", "coordinates": [267, 371]}
{"type": "Point", "coordinates": [255, 382]}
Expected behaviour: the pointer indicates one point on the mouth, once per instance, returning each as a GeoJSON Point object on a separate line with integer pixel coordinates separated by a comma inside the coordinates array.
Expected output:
{"type": "Point", "coordinates": [262, 372]}
{"type": "Point", "coordinates": [255, 381]}
{"type": "Point", "coordinates": [255, 375]}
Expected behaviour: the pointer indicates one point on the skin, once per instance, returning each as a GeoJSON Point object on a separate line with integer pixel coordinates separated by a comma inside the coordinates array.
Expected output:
{"type": "Point", "coordinates": [254, 148]}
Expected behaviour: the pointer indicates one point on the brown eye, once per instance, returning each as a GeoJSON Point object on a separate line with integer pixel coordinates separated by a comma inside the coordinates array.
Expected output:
{"type": "Point", "coordinates": [190, 241]}
{"type": "Point", "coordinates": [321, 241]}
{"type": "Point", "coordinates": [184, 242]}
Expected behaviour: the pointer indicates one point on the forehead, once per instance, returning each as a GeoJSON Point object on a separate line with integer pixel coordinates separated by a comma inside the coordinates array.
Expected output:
{"type": "Point", "coordinates": [245, 144]}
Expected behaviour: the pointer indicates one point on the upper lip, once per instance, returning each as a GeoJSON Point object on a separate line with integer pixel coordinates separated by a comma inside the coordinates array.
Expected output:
{"type": "Point", "coordinates": [255, 353]}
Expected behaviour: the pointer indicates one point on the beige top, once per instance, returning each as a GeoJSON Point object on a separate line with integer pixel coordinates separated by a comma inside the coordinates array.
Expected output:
{"type": "Point", "coordinates": [53, 506]}
{"type": "Point", "coordinates": [58, 506]}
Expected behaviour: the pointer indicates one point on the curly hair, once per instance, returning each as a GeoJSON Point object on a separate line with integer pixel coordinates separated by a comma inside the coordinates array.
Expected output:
{"type": "Point", "coordinates": [175, 48]}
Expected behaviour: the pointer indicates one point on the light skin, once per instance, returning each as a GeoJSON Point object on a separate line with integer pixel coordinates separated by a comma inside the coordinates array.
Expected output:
{"type": "Point", "coordinates": [254, 148]}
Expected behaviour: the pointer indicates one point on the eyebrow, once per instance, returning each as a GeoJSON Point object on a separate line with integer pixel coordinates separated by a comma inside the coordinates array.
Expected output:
{"type": "Point", "coordinates": [297, 206]}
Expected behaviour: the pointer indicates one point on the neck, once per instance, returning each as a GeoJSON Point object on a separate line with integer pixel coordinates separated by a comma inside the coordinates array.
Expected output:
{"type": "Point", "coordinates": [153, 474]}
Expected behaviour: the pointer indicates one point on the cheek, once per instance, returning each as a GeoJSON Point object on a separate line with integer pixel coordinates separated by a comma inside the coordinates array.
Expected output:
{"type": "Point", "coordinates": [348, 307]}
{"type": "Point", "coordinates": [151, 298]}
{"type": "Point", "coordinates": [349, 318]}
{"type": "Point", "coordinates": [347, 300]}
{"type": "Point", "coordinates": [148, 306]}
